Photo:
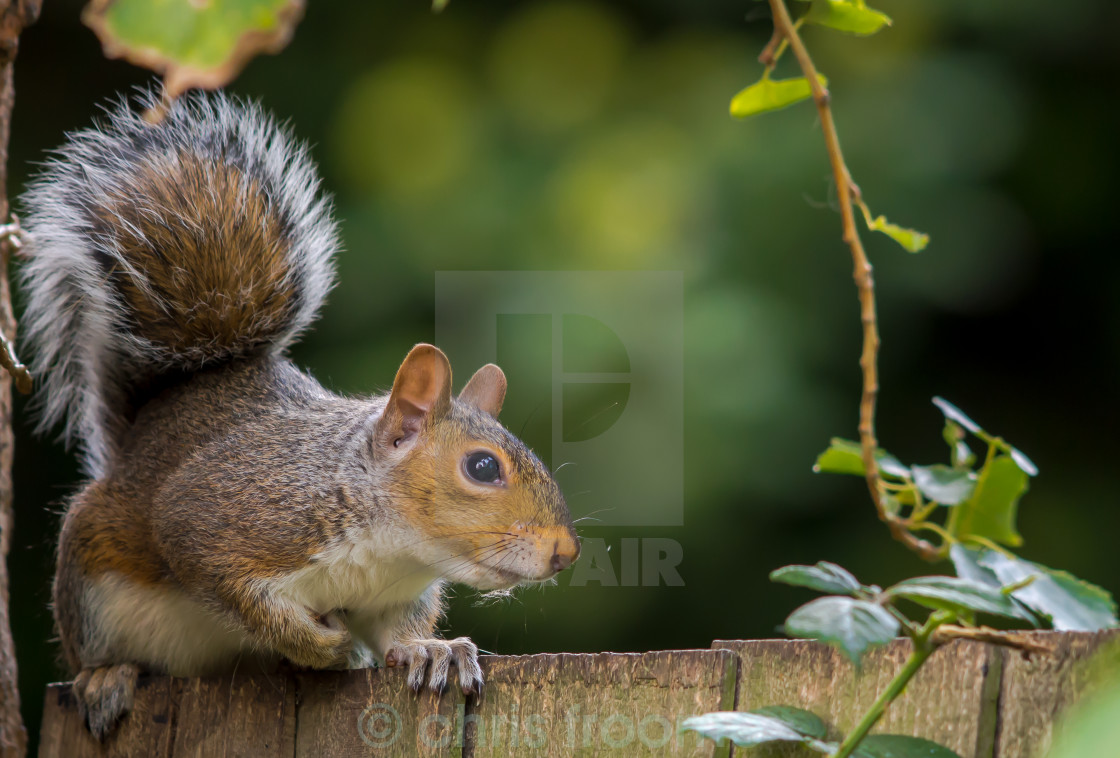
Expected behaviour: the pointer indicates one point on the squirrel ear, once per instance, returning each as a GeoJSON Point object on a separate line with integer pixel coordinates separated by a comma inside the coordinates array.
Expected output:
{"type": "Point", "coordinates": [486, 390]}
{"type": "Point", "coordinates": [422, 389]}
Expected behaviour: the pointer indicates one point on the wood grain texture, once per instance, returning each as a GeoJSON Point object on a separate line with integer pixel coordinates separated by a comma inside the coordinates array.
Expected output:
{"type": "Point", "coordinates": [603, 704]}
{"type": "Point", "coordinates": [1036, 690]}
{"type": "Point", "coordinates": [221, 717]}
{"type": "Point", "coordinates": [229, 717]}
{"type": "Point", "coordinates": [981, 701]}
{"type": "Point", "coordinates": [373, 712]}
{"type": "Point", "coordinates": [951, 700]}
{"type": "Point", "coordinates": [146, 732]}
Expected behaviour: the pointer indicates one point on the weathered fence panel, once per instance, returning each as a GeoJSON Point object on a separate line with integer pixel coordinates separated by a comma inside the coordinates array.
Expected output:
{"type": "Point", "coordinates": [147, 732]}
{"type": "Point", "coordinates": [375, 712]}
{"type": "Point", "coordinates": [981, 701]}
{"type": "Point", "coordinates": [565, 704]}
{"type": "Point", "coordinates": [951, 700]}
{"type": "Point", "coordinates": [609, 703]}
{"type": "Point", "coordinates": [1035, 690]}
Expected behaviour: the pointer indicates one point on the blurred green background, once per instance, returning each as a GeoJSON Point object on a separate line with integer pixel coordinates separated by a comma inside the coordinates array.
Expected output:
{"type": "Point", "coordinates": [584, 135]}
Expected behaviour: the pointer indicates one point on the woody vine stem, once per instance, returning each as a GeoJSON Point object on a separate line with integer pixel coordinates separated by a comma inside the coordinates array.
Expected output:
{"type": "Point", "coordinates": [847, 191]}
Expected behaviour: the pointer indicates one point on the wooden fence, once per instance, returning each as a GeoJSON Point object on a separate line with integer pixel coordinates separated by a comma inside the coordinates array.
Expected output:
{"type": "Point", "coordinates": [983, 702]}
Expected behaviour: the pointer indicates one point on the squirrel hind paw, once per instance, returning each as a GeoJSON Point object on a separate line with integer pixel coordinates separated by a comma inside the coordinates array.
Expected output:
{"type": "Point", "coordinates": [430, 661]}
{"type": "Point", "coordinates": [105, 696]}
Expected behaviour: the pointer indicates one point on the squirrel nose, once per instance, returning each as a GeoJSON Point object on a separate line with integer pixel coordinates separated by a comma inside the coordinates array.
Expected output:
{"type": "Point", "coordinates": [564, 554]}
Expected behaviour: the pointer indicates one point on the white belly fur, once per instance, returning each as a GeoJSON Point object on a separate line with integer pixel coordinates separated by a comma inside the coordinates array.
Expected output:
{"type": "Point", "coordinates": [360, 576]}
{"type": "Point", "coordinates": [161, 628]}
{"type": "Point", "coordinates": [167, 631]}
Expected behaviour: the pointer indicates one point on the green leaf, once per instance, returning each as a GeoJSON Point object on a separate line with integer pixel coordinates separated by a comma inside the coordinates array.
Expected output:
{"type": "Point", "coordinates": [846, 457]}
{"type": "Point", "coordinates": [945, 485]}
{"type": "Point", "coordinates": [846, 16]}
{"type": "Point", "coordinates": [905, 496]}
{"type": "Point", "coordinates": [966, 562]}
{"type": "Point", "coordinates": [956, 594]}
{"type": "Point", "coordinates": [824, 577]}
{"type": "Point", "coordinates": [744, 729]}
{"type": "Point", "coordinates": [800, 720]}
{"type": "Point", "coordinates": [193, 44]}
{"type": "Point", "coordinates": [911, 240]}
{"type": "Point", "coordinates": [1091, 729]}
{"type": "Point", "coordinates": [1023, 462]}
{"type": "Point", "coordinates": [952, 433]}
{"type": "Point", "coordinates": [892, 504]}
{"type": "Point", "coordinates": [962, 455]}
{"type": "Point", "coordinates": [1071, 604]}
{"type": "Point", "coordinates": [953, 413]}
{"type": "Point", "coordinates": [991, 511]}
{"type": "Point", "coordinates": [439, 5]}
{"type": "Point", "coordinates": [899, 746]}
{"type": "Point", "coordinates": [771, 95]}
{"type": "Point", "coordinates": [849, 624]}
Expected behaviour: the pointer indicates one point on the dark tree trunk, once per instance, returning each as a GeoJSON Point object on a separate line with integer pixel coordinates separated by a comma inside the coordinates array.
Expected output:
{"type": "Point", "coordinates": [14, 16]}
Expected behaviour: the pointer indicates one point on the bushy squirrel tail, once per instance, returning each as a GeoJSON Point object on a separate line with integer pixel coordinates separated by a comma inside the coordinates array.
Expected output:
{"type": "Point", "coordinates": [158, 250]}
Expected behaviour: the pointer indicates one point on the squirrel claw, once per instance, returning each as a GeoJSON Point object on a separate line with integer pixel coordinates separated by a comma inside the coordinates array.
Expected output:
{"type": "Point", "coordinates": [429, 661]}
{"type": "Point", "coordinates": [104, 696]}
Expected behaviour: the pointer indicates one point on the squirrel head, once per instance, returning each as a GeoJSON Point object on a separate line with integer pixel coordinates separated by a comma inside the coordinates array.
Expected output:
{"type": "Point", "coordinates": [485, 510]}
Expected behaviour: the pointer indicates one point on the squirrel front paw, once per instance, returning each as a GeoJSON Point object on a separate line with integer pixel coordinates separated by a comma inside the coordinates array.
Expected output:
{"type": "Point", "coordinates": [324, 644]}
{"type": "Point", "coordinates": [105, 696]}
{"type": "Point", "coordinates": [432, 659]}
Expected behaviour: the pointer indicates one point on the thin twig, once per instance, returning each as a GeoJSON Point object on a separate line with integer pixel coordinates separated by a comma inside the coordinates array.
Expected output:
{"type": "Point", "coordinates": [13, 232]}
{"type": "Point", "coordinates": [766, 57]}
{"type": "Point", "coordinates": [13, 235]}
{"type": "Point", "coordinates": [1022, 641]}
{"type": "Point", "coordinates": [865, 285]}
{"type": "Point", "coordinates": [10, 362]}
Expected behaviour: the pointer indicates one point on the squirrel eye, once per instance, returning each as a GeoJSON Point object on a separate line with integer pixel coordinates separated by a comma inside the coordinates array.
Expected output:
{"type": "Point", "coordinates": [483, 467]}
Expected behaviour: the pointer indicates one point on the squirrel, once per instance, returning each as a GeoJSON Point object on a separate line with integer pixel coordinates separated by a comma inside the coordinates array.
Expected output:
{"type": "Point", "coordinates": [236, 513]}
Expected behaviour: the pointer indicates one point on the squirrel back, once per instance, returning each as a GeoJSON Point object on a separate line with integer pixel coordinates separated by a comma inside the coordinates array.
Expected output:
{"type": "Point", "coordinates": [158, 250]}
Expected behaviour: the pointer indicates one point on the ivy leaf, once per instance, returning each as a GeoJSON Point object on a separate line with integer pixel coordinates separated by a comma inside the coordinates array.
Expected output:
{"type": "Point", "coordinates": [911, 240]}
{"type": "Point", "coordinates": [1071, 604]}
{"type": "Point", "coordinates": [1091, 729]}
{"type": "Point", "coordinates": [846, 457]}
{"type": "Point", "coordinates": [991, 511]}
{"type": "Point", "coordinates": [1023, 462]}
{"type": "Point", "coordinates": [846, 16]}
{"type": "Point", "coordinates": [748, 729]}
{"type": "Point", "coordinates": [800, 720]}
{"type": "Point", "coordinates": [945, 485]}
{"type": "Point", "coordinates": [849, 624]}
{"type": "Point", "coordinates": [824, 577]}
{"type": "Point", "coordinates": [191, 43]}
{"type": "Point", "coordinates": [771, 95]}
{"type": "Point", "coordinates": [899, 746]}
{"type": "Point", "coordinates": [953, 413]}
{"type": "Point", "coordinates": [962, 455]}
{"type": "Point", "coordinates": [957, 594]}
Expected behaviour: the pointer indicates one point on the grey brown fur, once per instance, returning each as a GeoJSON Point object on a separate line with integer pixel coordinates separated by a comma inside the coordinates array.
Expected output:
{"type": "Point", "coordinates": [126, 209]}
